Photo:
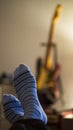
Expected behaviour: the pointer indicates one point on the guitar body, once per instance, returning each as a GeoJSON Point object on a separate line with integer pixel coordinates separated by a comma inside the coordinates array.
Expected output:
{"type": "Point", "coordinates": [45, 87]}
{"type": "Point", "coordinates": [45, 79]}
{"type": "Point", "coordinates": [46, 71]}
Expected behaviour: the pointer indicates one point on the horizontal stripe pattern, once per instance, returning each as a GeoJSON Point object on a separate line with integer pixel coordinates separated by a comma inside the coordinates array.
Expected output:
{"type": "Point", "coordinates": [25, 87]}
{"type": "Point", "coordinates": [13, 110]}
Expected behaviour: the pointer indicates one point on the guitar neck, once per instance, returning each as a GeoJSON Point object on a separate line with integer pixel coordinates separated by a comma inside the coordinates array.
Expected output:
{"type": "Point", "coordinates": [49, 58]}
{"type": "Point", "coordinates": [50, 47]}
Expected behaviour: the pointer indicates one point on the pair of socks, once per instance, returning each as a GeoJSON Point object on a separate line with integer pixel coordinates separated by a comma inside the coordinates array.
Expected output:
{"type": "Point", "coordinates": [27, 104]}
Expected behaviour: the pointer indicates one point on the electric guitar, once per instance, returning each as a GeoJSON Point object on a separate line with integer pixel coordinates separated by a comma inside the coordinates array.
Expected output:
{"type": "Point", "coordinates": [44, 81]}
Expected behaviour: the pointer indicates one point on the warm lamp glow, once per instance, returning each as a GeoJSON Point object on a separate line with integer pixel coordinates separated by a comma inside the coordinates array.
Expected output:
{"type": "Point", "coordinates": [69, 116]}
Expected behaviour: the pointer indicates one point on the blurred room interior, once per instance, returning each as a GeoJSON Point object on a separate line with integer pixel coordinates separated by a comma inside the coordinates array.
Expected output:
{"type": "Point", "coordinates": [24, 25]}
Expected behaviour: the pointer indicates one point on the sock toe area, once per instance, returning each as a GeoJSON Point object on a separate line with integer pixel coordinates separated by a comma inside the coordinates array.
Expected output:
{"type": "Point", "coordinates": [22, 68]}
{"type": "Point", "coordinates": [8, 98]}
{"type": "Point", "coordinates": [12, 108]}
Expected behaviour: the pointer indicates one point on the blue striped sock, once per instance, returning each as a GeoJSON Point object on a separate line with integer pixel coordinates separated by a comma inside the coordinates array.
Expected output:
{"type": "Point", "coordinates": [25, 86]}
{"type": "Point", "coordinates": [13, 110]}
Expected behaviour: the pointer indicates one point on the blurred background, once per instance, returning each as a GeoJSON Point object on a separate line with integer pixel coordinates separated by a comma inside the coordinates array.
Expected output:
{"type": "Point", "coordinates": [24, 25]}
